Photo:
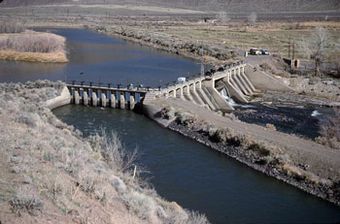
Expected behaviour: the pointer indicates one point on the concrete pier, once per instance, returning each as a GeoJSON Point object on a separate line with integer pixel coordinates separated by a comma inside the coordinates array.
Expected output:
{"type": "Point", "coordinates": [103, 101]}
{"type": "Point", "coordinates": [94, 99]}
{"type": "Point", "coordinates": [122, 98]}
{"type": "Point", "coordinates": [85, 98]}
{"type": "Point", "coordinates": [122, 102]}
{"type": "Point", "coordinates": [113, 101]}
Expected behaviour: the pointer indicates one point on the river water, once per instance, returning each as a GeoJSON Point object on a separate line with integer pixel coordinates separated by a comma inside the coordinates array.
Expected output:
{"type": "Point", "coordinates": [181, 170]}
{"type": "Point", "coordinates": [98, 58]}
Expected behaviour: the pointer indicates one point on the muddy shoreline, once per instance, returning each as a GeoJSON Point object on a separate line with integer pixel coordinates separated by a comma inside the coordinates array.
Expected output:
{"type": "Point", "coordinates": [252, 160]}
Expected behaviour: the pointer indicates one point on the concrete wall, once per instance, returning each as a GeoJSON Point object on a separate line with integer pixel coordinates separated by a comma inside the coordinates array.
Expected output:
{"type": "Point", "coordinates": [63, 99]}
{"type": "Point", "coordinates": [264, 81]}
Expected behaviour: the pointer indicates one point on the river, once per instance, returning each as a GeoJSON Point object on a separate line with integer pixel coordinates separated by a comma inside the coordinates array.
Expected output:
{"type": "Point", "coordinates": [98, 58]}
{"type": "Point", "coordinates": [181, 170]}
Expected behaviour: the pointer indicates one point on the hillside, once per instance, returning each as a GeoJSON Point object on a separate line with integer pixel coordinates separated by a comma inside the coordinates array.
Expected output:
{"type": "Point", "coordinates": [233, 6]}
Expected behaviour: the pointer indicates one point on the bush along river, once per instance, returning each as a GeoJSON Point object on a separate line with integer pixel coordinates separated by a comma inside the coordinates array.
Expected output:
{"type": "Point", "coordinates": [181, 170]}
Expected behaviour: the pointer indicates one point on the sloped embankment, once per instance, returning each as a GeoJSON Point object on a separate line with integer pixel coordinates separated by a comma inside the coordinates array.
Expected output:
{"type": "Point", "coordinates": [304, 164]}
{"type": "Point", "coordinates": [50, 173]}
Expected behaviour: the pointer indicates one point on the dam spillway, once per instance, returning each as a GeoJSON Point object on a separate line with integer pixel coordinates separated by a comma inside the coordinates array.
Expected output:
{"type": "Point", "coordinates": [204, 90]}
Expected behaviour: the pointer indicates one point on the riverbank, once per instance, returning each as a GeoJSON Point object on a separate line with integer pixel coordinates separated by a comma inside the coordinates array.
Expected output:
{"type": "Point", "coordinates": [32, 46]}
{"type": "Point", "coordinates": [50, 172]}
{"type": "Point", "coordinates": [302, 163]}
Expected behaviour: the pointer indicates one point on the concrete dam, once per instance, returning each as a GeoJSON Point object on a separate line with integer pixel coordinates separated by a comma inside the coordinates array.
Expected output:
{"type": "Point", "coordinates": [214, 90]}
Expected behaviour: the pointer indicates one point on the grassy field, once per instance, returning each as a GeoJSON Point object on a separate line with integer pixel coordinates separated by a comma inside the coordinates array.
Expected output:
{"type": "Point", "coordinates": [274, 36]}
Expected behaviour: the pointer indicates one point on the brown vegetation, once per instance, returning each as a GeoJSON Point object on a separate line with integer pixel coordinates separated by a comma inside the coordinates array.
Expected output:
{"type": "Point", "coordinates": [32, 46]}
{"type": "Point", "coordinates": [330, 131]}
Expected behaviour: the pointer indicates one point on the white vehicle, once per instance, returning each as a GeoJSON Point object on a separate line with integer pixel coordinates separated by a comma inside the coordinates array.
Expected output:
{"type": "Point", "coordinates": [255, 51]}
{"type": "Point", "coordinates": [264, 52]}
{"type": "Point", "coordinates": [181, 80]}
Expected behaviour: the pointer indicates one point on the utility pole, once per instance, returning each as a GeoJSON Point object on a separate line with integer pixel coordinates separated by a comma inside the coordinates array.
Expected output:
{"type": "Point", "coordinates": [289, 46]}
{"type": "Point", "coordinates": [202, 61]}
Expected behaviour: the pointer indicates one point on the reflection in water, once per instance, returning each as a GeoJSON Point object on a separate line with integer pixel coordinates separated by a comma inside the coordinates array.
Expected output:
{"type": "Point", "coordinates": [12, 71]}
{"type": "Point", "coordinates": [98, 58]}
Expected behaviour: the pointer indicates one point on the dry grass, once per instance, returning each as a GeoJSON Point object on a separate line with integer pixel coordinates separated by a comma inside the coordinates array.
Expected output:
{"type": "Point", "coordinates": [274, 36]}
{"type": "Point", "coordinates": [33, 47]}
{"type": "Point", "coordinates": [58, 57]}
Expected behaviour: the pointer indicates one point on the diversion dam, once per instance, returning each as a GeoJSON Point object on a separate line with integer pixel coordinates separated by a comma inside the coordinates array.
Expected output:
{"type": "Point", "coordinates": [180, 169]}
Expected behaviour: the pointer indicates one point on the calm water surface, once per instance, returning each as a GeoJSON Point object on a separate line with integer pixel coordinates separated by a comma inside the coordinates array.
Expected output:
{"type": "Point", "coordinates": [99, 58]}
{"type": "Point", "coordinates": [201, 179]}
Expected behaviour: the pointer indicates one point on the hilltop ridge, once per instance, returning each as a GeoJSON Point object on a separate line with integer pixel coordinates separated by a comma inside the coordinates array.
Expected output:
{"type": "Point", "coordinates": [232, 6]}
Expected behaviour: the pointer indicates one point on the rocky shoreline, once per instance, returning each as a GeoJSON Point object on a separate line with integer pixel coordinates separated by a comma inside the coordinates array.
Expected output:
{"type": "Point", "coordinates": [257, 162]}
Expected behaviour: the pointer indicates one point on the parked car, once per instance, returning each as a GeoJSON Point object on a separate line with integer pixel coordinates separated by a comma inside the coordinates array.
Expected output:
{"type": "Point", "coordinates": [264, 52]}
{"type": "Point", "coordinates": [255, 51]}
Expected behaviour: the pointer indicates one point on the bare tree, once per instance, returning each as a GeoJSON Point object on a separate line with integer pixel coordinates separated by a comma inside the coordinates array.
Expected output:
{"type": "Point", "coordinates": [252, 18]}
{"type": "Point", "coordinates": [315, 47]}
{"type": "Point", "coordinates": [223, 17]}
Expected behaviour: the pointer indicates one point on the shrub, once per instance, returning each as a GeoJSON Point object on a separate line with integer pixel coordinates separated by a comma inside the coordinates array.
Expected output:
{"type": "Point", "coordinates": [330, 131]}
{"type": "Point", "coordinates": [168, 113]}
{"type": "Point", "coordinates": [197, 218]}
{"type": "Point", "coordinates": [33, 42]}
{"type": "Point", "coordinates": [225, 136]}
{"type": "Point", "coordinates": [185, 118]}
{"type": "Point", "coordinates": [30, 119]}
{"type": "Point", "coordinates": [259, 148]}
{"type": "Point", "coordinates": [25, 203]}
{"type": "Point", "coordinates": [113, 152]}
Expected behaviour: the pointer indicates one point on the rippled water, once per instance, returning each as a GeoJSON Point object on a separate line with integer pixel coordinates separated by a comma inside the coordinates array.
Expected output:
{"type": "Point", "coordinates": [301, 120]}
